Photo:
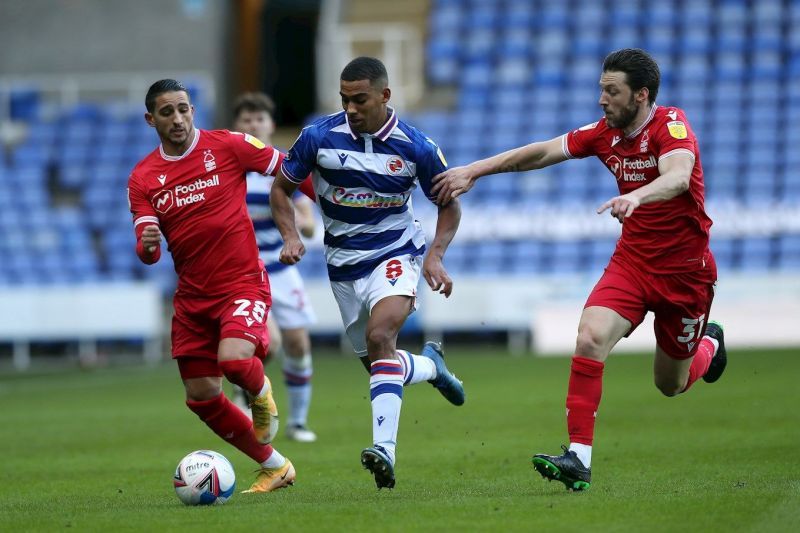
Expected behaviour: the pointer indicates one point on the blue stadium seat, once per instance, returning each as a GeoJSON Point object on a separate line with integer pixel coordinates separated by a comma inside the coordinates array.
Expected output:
{"type": "Point", "coordinates": [445, 18]}
{"type": "Point", "coordinates": [76, 154]}
{"type": "Point", "coordinates": [24, 103]}
{"type": "Point", "coordinates": [768, 12]}
{"type": "Point", "coordinates": [519, 15]}
{"type": "Point", "coordinates": [526, 257]}
{"type": "Point", "coordinates": [724, 251]}
{"type": "Point", "coordinates": [759, 188]}
{"type": "Point", "coordinates": [588, 43]}
{"type": "Point", "coordinates": [516, 43]}
{"type": "Point", "coordinates": [788, 246]}
{"type": "Point", "coordinates": [730, 65]}
{"type": "Point", "coordinates": [34, 153]}
{"type": "Point", "coordinates": [755, 253]}
{"type": "Point", "coordinates": [599, 252]}
{"type": "Point", "coordinates": [31, 197]}
{"type": "Point", "coordinates": [72, 175]}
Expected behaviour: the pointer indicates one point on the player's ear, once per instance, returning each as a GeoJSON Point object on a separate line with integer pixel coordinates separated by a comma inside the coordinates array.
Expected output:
{"type": "Point", "coordinates": [387, 94]}
{"type": "Point", "coordinates": [643, 94]}
{"type": "Point", "coordinates": [148, 117]}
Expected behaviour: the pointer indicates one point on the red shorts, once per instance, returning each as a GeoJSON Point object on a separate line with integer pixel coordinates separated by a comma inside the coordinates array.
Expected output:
{"type": "Point", "coordinates": [680, 302]}
{"type": "Point", "coordinates": [200, 323]}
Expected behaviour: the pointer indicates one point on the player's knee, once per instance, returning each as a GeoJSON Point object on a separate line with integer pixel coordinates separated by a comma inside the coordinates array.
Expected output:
{"type": "Point", "coordinates": [589, 343]}
{"type": "Point", "coordinates": [380, 338]}
{"type": "Point", "coordinates": [202, 389]}
{"type": "Point", "coordinates": [294, 347]}
{"type": "Point", "coordinates": [231, 349]}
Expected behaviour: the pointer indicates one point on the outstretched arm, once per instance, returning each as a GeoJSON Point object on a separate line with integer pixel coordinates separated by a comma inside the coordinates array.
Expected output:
{"type": "Point", "coordinates": [676, 173]}
{"type": "Point", "coordinates": [456, 181]}
{"type": "Point", "coordinates": [433, 268]}
{"type": "Point", "coordinates": [280, 201]}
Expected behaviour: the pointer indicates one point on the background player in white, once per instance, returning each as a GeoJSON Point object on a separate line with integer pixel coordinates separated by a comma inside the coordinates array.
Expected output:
{"type": "Point", "coordinates": [291, 311]}
{"type": "Point", "coordinates": [366, 164]}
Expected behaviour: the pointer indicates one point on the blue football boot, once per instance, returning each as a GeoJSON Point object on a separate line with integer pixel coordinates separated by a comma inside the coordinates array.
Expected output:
{"type": "Point", "coordinates": [450, 387]}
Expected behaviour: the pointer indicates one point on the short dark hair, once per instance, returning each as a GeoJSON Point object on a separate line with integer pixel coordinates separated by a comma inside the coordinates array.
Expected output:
{"type": "Point", "coordinates": [366, 68]}
{"type": "Point", "coordinates": [640, 67]}
{"type": "Point", "coordinates": [253, 102]}
{"type": "Point", "coordinates": [160, 87]}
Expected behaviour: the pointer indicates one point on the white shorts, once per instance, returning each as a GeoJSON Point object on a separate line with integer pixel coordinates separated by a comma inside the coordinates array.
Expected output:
{"type": "Point", "coordinates": [398, 276]}
{"type": "Point", "coordinates": [290, 306]}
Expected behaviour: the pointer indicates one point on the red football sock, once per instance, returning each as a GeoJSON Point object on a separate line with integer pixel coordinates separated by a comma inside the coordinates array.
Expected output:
{"type": "Point", "coordinates": [583, 398]}
{"type": "Point", "coordinates": [230, 423]}
{"type": "Point", "coordinates": [247, 373]}
{"type": "Point", "coordinates": [702, 359]}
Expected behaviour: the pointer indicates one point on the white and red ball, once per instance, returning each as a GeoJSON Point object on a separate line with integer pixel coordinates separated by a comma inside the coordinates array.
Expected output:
{"type": "Point", "coordinates": [204, 478]}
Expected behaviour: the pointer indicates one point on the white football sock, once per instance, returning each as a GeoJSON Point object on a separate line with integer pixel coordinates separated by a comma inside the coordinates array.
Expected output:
{"type": "Point", "coordinates": [583, 451]}
{"type": "Point", "coordinates": [386, 393]}
{"type": "Point", "coordinates": [276, 460]}
{"type": "Point", "coordinates": [416, 368]}
{"type": "Point", "coordinates": [297, 375]}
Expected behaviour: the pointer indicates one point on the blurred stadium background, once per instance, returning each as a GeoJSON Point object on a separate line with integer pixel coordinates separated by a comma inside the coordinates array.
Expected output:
{"type": "Point", "coordinates": [478, 76]}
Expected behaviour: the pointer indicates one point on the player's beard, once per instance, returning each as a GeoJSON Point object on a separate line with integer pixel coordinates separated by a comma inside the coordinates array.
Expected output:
{"type": "Point", "coordinates": [625, 116]}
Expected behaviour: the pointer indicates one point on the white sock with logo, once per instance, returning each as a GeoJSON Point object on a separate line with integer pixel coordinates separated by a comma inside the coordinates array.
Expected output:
{"type": "Point", "coordinates": [386, 394]}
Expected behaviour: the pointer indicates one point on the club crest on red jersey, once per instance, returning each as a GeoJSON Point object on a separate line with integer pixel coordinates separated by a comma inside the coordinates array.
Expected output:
{"type": "Point", "coordinates": [395, 165]}
{"type": "Point", "coordinates": [209, 161]}
{"type": "Point", "coordinates": [394, 269]}
{"type": "Point", "coordinates": [643, 144]}
{"type": "Point", "coordinates": [163, 201]}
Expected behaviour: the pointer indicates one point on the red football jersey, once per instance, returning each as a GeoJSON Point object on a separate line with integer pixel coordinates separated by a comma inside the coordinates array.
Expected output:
{"type": "Point", "coordinates": [198, 200]}
{"type": "Point", "coordinates": [661, 237]}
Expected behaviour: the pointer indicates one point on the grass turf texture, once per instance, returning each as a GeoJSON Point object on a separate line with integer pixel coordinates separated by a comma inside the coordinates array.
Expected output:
{"type": "Point", "coordinates": [96, 451]}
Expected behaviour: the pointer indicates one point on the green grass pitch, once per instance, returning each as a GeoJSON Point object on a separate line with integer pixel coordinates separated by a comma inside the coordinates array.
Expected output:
{"type": "Point", "coordinates": [95, 451]}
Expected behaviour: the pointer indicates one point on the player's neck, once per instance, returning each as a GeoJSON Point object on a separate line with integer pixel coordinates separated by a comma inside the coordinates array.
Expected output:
{"type": "Point", "coordinates": [172, 149]}
{"type": "Point", "coordinates": [380, 123]}
{"type": "Point", "coordinates": [641, 117]}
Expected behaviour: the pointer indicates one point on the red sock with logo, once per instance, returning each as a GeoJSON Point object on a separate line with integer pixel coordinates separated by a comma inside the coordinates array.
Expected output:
{"type": "Point", "coordinates": [583, 398]}
{"type": "Point", "coordinates": [702, 359]}
{"type": "Point", "coordinates": [247, 373]}
{"type": "Point", "coordinates": [230, 423]}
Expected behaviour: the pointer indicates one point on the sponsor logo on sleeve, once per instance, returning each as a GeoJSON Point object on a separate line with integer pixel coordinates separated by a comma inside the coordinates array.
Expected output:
{"type": "Point", "coordinates": [591, 126]}
{"type": "Point", "coordinates": [441, 156]}
{"type": "Point", "coordinates": [677, 129]}
{"type": "Point", "coordinates": [254, 141]}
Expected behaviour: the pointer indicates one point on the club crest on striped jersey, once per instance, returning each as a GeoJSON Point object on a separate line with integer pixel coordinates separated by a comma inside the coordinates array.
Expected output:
{"type": "Point", "coordinates": [394, 269]}
{"type": "Point", "coordinates": [395, 165]}
{"type": "Point", "coordinates": [162, 201]}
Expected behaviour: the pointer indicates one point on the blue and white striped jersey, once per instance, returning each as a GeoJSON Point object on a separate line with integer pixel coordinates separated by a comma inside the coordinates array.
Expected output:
{"type": "Point", "coordinates": [268, 237]}
{"type": "Point", "coordinates": [363, 184]}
